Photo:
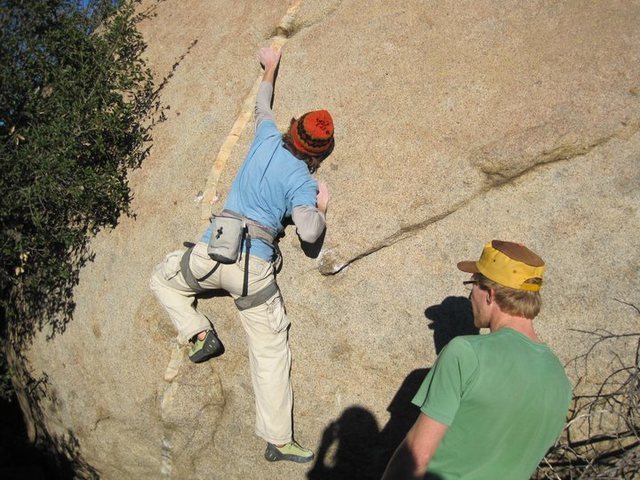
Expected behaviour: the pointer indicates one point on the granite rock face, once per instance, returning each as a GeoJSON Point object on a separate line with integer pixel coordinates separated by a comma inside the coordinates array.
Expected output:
{"type": "Point", "coordinates": [456, 123]}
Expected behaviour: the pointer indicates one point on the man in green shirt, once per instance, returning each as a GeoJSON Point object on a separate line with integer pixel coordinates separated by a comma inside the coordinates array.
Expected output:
{"type": "Point", "coordinates": [493, 404]}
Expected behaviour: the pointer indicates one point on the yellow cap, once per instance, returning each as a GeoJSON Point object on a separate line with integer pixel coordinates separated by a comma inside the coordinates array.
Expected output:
{"type": "Point", "coordinates": [509, 264]}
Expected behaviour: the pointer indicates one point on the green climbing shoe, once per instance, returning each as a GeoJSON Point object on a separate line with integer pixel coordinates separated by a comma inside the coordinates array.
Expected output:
{"type": "Point", "coordinates": [291, 451]}
{"type": "Point", "coordinates": [203, 350]}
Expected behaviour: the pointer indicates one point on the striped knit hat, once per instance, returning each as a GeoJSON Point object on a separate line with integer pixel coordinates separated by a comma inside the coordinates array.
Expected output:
{"type": "Point", "coordinates": [312, 133]}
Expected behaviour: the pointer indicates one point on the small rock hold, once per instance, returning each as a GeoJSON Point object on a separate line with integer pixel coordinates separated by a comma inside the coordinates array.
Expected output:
{"type": "Point", "coordinates": [328, 263]}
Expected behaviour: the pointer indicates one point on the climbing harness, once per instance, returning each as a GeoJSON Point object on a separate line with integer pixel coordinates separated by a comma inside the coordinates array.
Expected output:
{"type": "Point", "coordinates": [229, 231]}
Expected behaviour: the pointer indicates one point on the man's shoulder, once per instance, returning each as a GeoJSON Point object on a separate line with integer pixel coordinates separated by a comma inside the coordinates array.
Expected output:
{"type": "Point", "coordinates": [292, 170]}
{"type": "Point", "coordinates": [461, 346]}
{"type": "Point", "coordinates": [467, 341]}
{"type": "Point", "coordinates": [504, 335]}
{"type": "Point", "coordinates": [474, 344]}
{"type": "Point", "coordinates": [267, 128]}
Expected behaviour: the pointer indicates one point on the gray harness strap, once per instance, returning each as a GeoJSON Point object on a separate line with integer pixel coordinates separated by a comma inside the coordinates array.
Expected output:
{"type": "Point", "coordinates": [258, 298]}
{"type": "Point", "coordinates": [253, 231]}
{"type": "Point", "coordinates": [256, 230]}
{"type": "Point", "coordinates": [188, 275]}
{"type": "Point", "coordinates": [242, 303]}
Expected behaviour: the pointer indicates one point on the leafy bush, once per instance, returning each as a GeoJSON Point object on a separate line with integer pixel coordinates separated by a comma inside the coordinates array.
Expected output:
{"type": "Point", "coordinates": [75, 97]}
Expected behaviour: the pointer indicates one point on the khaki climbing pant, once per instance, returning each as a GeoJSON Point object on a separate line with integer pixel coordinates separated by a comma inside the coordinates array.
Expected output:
{"type": "Point", "coordinates": [266, 326]}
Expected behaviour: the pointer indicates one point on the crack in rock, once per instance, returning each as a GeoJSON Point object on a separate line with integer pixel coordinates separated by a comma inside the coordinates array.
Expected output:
{"type": "Point", "coordinates": [100, 420]}
{"type": "Point", "coordinates": [166, 465]}
{"type": "Point", "coordinates": [287, 28]}
{"type": "Point", "coordinates": [329, 264]}
{"type": "Point", "coordinates": [290, 25]}
{"type": "Point", "coordinates": [174, 67]}
{"type": "Point", "coordinates": [284, 30]}
{"type": "Point", "coordinates": [505, 161]}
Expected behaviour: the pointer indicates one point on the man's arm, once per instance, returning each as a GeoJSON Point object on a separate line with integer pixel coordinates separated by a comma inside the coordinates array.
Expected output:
{"type": "Point", "coordinates": [412, 457]}
{"type": "Point", "coordinates": [311, 221]}
{"type": "Point", "coordinates": [269, 59]}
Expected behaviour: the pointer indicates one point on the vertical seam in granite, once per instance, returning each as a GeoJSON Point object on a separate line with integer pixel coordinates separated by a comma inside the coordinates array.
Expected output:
{"type": "Point", "coordinates": [210, 196]}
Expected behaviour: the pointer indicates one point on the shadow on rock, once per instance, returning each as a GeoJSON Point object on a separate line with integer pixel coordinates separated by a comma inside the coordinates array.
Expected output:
{"type": "Point", "coordinates": [311, 250]}
{"type": "Point", "coordinates": [353, 447]}
{"type": "Point", "coordinates": [451, 318]}
{"type": "Point", "coordinates": [29, 449]}
{"type": "Point", "coordinates": [403, 415]}
{"type": "Point", "coordinates": [349, 448]}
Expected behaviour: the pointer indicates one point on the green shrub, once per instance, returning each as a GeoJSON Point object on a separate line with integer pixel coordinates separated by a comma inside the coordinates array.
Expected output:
{"type": "Point", "coordinates": [74, 118]}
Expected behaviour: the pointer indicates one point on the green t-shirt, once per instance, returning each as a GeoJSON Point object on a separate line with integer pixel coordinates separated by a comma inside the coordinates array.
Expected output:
{"type": "Point", "coordinates": [505, 399]}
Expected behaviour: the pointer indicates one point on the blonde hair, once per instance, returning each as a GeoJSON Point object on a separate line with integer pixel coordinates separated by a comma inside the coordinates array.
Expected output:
{"type": "Point", "coordinates": [512, 301]}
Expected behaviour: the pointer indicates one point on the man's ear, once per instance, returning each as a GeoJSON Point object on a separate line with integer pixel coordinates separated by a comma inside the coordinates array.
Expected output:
{"type": "Point", "coordinates": [490, 295]}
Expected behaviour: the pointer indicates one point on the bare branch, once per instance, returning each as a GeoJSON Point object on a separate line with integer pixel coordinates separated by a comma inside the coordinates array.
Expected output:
{"type": "Point", "coordinates": [601, 439]}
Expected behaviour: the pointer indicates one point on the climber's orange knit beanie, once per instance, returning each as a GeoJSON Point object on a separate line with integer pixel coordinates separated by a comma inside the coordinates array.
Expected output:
{"type": "Point", "coordinates": [312, 133]}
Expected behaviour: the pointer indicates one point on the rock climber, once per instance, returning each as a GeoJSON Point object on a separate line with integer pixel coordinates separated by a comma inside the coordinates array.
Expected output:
{"type": "Point", "coordinates": [274, 182]}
